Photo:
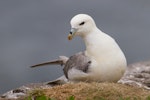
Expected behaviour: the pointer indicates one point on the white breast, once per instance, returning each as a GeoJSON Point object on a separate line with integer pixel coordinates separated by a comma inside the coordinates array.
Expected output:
{"type": "Point", "coordinates": [108, 60]}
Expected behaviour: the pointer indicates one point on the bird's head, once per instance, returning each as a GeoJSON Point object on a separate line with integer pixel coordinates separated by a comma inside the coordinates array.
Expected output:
{"type": "Point", "coordinates": [81, 25]}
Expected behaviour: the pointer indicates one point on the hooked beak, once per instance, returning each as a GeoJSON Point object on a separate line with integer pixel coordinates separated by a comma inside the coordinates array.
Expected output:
{"type": "Point", "coordinates": [72, 33]}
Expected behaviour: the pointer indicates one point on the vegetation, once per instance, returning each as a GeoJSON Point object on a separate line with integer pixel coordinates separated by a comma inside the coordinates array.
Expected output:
{"type": "Point", "coordinates": [90, 91]}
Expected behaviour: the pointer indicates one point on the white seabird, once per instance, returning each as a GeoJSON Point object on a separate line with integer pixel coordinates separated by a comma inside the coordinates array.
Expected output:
{"type": "Point", "coordinates": [102, 61]}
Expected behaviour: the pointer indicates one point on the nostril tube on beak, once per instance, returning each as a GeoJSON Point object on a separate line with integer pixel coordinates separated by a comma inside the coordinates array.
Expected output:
{"type": "Point", "coordinates": [70, 32]}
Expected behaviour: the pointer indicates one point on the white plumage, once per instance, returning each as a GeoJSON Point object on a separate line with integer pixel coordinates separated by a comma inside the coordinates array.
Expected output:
{"type": "Point", "coordinates": [108, 60]}
{"type": "Point", "coordinates": [102, 61]}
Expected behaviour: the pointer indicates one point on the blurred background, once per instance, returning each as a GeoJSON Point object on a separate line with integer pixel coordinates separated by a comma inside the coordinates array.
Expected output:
{"type": "Point", "coordinates": [35, 31]}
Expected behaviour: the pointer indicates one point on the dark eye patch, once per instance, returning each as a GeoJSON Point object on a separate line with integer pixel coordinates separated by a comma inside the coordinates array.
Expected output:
{"type": "Point", "coordinates": [82, 23]}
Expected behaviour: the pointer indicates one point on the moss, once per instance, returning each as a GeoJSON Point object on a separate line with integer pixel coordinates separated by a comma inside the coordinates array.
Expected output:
{"type": "Point", "coordinates": [37, 94]}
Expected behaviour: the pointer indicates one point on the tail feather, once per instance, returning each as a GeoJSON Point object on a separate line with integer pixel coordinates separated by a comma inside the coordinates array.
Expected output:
{"type": "Point", "coordinates": [59, 81]}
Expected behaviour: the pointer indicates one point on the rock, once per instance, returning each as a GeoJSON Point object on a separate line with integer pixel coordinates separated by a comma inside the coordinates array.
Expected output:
{"type": "Point", "coordinates": [23, 90]}
{"type": "Point", "coordinates": [137, 74]}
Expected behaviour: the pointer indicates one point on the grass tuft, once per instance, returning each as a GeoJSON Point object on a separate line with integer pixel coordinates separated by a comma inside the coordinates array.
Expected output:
{"type": "Point", "coordinates": [90, 91]}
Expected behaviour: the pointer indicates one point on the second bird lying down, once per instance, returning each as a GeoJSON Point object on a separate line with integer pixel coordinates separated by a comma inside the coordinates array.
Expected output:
{"type": "Point", "coordinates": [102, 61]}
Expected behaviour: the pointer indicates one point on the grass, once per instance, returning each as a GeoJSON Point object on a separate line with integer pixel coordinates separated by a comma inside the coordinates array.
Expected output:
{"type": "Point", "coordinates": [91, 91]}
{"type": "Point", "coordinates": [37, 95]}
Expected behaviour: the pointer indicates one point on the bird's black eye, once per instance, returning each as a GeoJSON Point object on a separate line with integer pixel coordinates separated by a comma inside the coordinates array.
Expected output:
{"type": "Point", "coordinates": [82, 23]}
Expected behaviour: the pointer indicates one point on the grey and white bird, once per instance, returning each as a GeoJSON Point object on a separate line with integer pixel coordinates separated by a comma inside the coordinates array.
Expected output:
{"type": "Point", "coordinates": [102, 61]}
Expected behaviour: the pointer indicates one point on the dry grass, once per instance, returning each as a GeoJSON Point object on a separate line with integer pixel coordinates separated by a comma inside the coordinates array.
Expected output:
{"type": "Point", "coordinates": [97, 91]}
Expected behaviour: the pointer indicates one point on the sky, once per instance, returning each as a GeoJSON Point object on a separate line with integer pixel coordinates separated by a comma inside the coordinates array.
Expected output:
{"type": "Point", "coordinates": [35, 31]}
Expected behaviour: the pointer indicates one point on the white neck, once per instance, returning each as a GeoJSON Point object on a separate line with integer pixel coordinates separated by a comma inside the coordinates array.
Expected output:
{"type": "Point", "coordinates": [90, 38]}
{"type": "Point", "coordinates": [93, 42]}
{"type": "Point", "coordinates": [99, 44]}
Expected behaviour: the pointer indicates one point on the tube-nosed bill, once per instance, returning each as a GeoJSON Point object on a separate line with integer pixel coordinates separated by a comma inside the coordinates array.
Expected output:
{"type": "Point", "coordinates": [72, 33]}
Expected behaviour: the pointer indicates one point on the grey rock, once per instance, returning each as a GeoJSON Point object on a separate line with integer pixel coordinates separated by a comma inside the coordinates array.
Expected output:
{"type": "Point", "coordinates": [137, 74]}
{"type": "Point", "coordinates": [23, 90]}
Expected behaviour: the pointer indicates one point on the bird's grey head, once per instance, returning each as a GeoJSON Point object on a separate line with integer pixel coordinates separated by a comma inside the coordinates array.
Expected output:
{"type": "Point", "coordinates": [81, 25]}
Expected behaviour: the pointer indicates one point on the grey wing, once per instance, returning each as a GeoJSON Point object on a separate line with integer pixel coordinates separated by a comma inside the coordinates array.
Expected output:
{"type": "Point", "coordinates": [78, 61]}
{"type": "Point", "coordinates": [61, 61]}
